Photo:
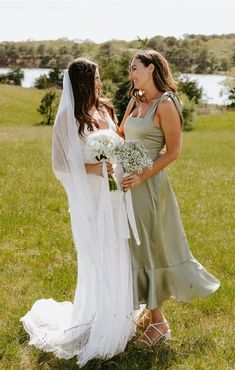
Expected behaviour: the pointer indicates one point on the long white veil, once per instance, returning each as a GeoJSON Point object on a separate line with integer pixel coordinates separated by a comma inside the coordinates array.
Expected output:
{"type": "Point", "coordinates": [68, 166]}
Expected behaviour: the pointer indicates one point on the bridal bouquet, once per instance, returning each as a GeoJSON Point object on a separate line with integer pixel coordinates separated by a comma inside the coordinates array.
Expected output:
{"type": "Point", "coordinates": [105, 144]}
{"type": "Point", "coordinates": [133, 156]}
{"type": "Point", "coordinates": [101, 146]}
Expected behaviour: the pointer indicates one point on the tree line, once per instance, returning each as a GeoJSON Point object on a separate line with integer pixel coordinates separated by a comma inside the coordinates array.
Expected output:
{"type": "Point", "coordinates": [113, 58]}
{"type": "Point", "coordinates": [189, 54]}
{"type": "Point", "coordinates": [115, 86]}
{"type": "Point", "coordinates": [188, 91]}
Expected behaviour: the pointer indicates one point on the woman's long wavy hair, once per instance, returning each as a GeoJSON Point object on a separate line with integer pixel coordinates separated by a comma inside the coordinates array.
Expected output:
{"type": "Point", "coordinates": [162, 77]}
{"type": "Point", "coordinates": [82, 77]}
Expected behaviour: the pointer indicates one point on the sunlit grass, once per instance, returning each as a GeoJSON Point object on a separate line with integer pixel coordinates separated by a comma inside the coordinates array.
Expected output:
{"type": "Point", "coordinates": [38, 258]}
{"type": "Point", "coordinates": [18, 105]}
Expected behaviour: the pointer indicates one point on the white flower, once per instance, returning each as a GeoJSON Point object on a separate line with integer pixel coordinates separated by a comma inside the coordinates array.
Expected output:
{"type": "Point", "coordinates": [133, 156]}
{"type": "Point", "coordinates": [101, 145]}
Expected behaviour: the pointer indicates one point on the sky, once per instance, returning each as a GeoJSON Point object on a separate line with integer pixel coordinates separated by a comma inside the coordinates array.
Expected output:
{"type": "Point", "coordinates": [103, 20]}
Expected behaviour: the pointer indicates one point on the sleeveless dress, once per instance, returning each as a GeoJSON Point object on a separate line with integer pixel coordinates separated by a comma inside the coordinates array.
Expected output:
{"type": "Point", "coordinates": [100, 320]}
{"type": "Point", "coordinates": [163, 266]}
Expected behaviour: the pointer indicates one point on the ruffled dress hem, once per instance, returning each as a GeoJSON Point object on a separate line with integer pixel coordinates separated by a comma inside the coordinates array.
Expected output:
{"type": "Point", "coordinates": [183, 281]}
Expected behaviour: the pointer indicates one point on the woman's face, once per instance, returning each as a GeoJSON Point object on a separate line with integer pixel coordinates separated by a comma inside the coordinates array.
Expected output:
{"type": "Point", "coordinates": [139, 74]}
{"type": "Point", "coordinates": [98, 84]}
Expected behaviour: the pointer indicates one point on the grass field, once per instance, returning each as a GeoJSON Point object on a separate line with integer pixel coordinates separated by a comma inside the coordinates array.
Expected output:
{"type": "Point", "coordinates": [38, 259]}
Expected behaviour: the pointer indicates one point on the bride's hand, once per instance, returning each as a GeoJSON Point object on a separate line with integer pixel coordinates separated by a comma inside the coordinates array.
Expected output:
{"type": "Point", "coordinates": [96, 169]}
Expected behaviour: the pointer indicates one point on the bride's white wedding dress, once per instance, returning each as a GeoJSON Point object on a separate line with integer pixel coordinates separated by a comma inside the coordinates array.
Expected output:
{"type": "Point", "coordinates": [100, 321]}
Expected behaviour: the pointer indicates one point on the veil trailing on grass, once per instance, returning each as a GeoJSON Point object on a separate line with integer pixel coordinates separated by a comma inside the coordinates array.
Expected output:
{"type": "Point", "coordinates": [100, 321]}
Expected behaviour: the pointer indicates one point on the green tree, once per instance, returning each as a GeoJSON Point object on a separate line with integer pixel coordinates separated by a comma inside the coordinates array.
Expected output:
{"type": "Point", "coordinates": [48, 107]}
{"type": "Point", "coordinates": [190, 94]}
{"type": "Point", "coordinates": [231, 98]}
{"type": "Point", "coordinates": [54, 78]}
{"type": "Point", "coordinates": [42, 82]}
{"type": "Point", "coordinates": [229, 87]}
{"type": "Point", "coordinates": [142, 43]}
{"type": "Point", "coordinates": [202, 61]}
{"type": "Point", "coordinates": [157, 43]}
{"type": "Point", "coordinates": [109, 88]}
{"type": "Point", "coordinates": [188, 111]}
{"type": "Point", "coordinates": [121, 99]}
{"type": "Point", "coordinates": [191, 89]}
{"type": "Point", "coordinates": [14, 77]}
{"type": "Point", "coordinates": [114, 65]}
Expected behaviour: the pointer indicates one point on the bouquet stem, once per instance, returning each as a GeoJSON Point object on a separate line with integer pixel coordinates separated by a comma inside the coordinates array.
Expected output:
{"type": "Point", "coordinates": [112, 183]}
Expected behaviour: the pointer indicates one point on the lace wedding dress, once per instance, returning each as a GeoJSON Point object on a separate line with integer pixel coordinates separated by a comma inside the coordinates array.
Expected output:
{"type": "Point", "coordinates": [100, 321]}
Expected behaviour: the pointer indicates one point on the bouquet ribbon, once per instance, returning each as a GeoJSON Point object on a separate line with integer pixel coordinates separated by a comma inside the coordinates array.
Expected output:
{"type": "Point", "coordinates": [129, 207]}
{"type": "Point", "coordinates": [131, 216]}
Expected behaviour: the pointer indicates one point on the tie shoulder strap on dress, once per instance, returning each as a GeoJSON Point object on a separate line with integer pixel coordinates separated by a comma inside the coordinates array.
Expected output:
{"type": "Point", "coordinates": [174, 98]}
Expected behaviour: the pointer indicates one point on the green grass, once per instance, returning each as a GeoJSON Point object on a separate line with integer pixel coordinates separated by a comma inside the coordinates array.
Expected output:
{"type": "Point", "coordinates": [38, 258]}
{"type": "Point", "coordinates": [18, 105]}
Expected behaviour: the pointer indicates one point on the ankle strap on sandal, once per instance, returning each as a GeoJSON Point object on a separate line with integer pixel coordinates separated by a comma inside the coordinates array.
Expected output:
{"type": "Point", "coordinates": [159, 323]}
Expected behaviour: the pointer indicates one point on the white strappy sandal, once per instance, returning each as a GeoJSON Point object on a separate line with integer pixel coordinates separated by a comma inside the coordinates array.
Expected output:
{"type": "Point", "coordinates": [145, 320]}
{"type": "Point", "coordinates": [163, 336]}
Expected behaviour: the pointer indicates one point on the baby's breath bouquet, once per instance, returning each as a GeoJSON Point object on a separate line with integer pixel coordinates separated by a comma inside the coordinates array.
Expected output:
{"type": "Point", "coordinates": [100, 147]}
{"type": "Point", "coordinates": [133, 156]}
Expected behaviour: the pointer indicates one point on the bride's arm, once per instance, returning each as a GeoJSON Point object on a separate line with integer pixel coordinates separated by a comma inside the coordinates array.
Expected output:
{"type": "Point", "coordinates": [96, 169]}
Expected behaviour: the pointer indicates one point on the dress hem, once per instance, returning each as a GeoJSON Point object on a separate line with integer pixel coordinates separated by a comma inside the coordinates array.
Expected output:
{"type": "Point", "coordinates": [182, 282]}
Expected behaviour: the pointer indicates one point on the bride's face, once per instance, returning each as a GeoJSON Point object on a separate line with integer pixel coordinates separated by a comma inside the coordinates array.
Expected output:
{"type": "Point", "coordinates": [98, 83]}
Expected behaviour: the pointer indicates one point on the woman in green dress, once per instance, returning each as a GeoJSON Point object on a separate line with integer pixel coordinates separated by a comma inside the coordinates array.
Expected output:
{"type": "Point", "coordinates": [163, 266]}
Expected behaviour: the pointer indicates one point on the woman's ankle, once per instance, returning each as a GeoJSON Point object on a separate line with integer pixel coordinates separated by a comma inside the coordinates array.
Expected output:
{"type": "Point", "coordinates": [157, 316]}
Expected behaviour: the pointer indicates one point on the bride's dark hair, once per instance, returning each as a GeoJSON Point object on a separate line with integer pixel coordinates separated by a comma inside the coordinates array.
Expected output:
{"type": "Point", "coordinates": [82, 77]}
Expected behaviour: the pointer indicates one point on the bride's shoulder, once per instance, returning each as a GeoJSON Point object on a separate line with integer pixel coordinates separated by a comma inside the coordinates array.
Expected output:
{"type": "Point", "coordinates": [108, 107]}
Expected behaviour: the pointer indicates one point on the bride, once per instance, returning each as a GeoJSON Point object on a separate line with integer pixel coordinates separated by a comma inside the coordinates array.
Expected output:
{"type": "Point", "coordinates": [100, 321]}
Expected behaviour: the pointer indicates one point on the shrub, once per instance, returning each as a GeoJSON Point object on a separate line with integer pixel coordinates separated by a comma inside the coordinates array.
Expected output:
{"type": "Point", "coordinates": [54, 78]}
{"type": "Point", "coordinates": [42, 82]}
{"type": "Point", "coordinates": [48, 107]}
{"type": "Point", "coordinates": [231, 97]}
{"type": "Point", "coordinates": [188, 111]}
{"type": "Point", "coordinates": [191, 89]}
{"type": "Point", "coordinates": [14, 77]}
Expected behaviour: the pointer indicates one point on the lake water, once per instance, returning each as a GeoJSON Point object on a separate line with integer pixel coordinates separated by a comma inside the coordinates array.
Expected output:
{"type": "Point", "coordinates": [30, 74]}
{"type": "Point", "coordinates": [212, 89]}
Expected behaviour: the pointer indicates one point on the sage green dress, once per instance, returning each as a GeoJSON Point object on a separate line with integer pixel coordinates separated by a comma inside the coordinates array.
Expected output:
{"type": "Point", "coordinates": [163, 265]}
